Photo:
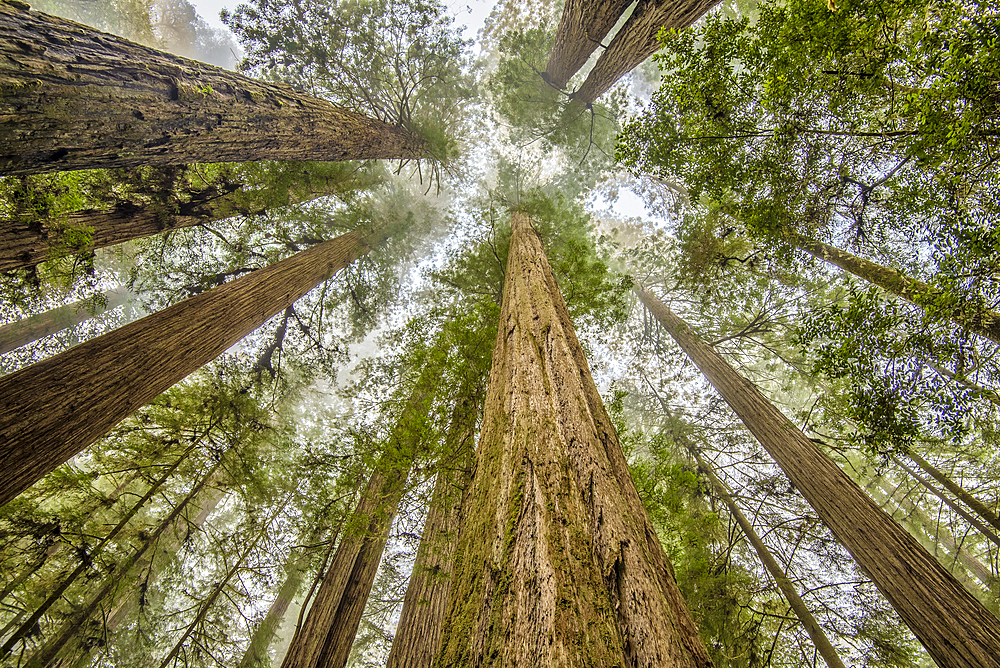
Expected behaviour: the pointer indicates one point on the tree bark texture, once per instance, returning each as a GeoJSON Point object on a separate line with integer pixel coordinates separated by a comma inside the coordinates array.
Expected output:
{"type": "Point", "coordinates": [637, 40]}
{"type": "Point", "coordinates": [812, 627]}
{"type": "Point", "coordinates": [326, 637]}
{"type": "Point", "coordinates": [558, 564]}
{"type": "Point", "coordinates": [418, 634]}
{"type": "Point", "coordinates": [984, 322]}
{"type": "Point", "coordinates": [957, 630]}
{"type": "Point", "coordinates": [74, 624]}
{"type": "Point", "coordinates": [584, 23]}
{"type": "Point", "coordinates": [21, 333]}
{"type": "Point", "coordinates": [77, 98]}
{"type": "Point", "coordinates": [55, 408]}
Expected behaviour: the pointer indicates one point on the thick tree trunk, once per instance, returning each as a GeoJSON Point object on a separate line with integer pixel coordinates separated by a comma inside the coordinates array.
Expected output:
{"type": "Point", "coordinates": [638, 40]}
{"type": "Point", "coordinates": [325, 639]}
{"type": "Point", "coordinates": [418, 634]}
{"type": "Point", "coordinates": [584, 23]}
{"type": "Point", "coordinates": [558, 564]}
{"type": "Point", "coordinates": [954, 627]}
{"type": "Point", "coordinates": [812, 627]}
{"type": "Point", "coordinates": [30, 329]}
{"type": "Point", "coordinates": [979, 321]}
{"type": "Point", "coordinates": [957, 490]}
{"type": "Point", "coordinates": [76, 98]}
{"type": "Point", "coordinates": [52, 410]}
{"type": "Point", "coordinates": [27, 628]}
{"type": "Point", "coordinates": [74, 623]}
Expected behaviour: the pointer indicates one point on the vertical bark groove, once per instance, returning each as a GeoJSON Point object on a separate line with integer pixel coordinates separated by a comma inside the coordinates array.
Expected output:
{"type": "Point", "coordinates": [582, 26]}
{"type": "Point", "coordinates": [957, 630]}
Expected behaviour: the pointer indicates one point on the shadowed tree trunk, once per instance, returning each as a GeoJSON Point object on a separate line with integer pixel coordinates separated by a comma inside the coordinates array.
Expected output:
{"type": "Point", "coordinates": [77, 98]}
{"type": "Point", "coordinates": [957, 490]}
{"type": "Point", "coordinates": [74, 623]}
{"type": "Point", "coordinates": [52, 410]}
{"type": "Point", "coordinates": [558, 564]}
{"type": "Point", "coordinates": [812, 627]}
{"type": "Point", "coordinates": [584, 23]}
{"type": "Point", "coordinates": [979, 321]}
{"type": "Point", "coordinates": [957, 630]}
{"type": "Point", "coordinates": [418, 634]}
{"type": "Point", "coordinates": [30, 329]}
{"type": "Point", "coordinates": [637, 40]}
{"type": "Point", "coordinates": [325, 639]}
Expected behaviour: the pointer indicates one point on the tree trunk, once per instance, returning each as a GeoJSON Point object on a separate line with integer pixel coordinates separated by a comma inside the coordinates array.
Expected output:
{"type": "Point", "coordinates": [418, 634]}
{"type": "Point", "coordinates": [55, 408]}
{"type": "Point", "coordinates": [558, 564]}
{"type": "Point", "coordinates": [30, 329]}
{"type": "Point", "coordinates": [74, 623]}
{"type": "Point", "coordinates": [637, 40]}
{"type": "Point", "coordinates": [584, 23]}
{"type": "Point", "coordinates": [957, 630]}
{"type": "Point", "coordinates": [27, 628]}
{"type": "Point", "coordinates": [957, 490]}
{"type": "Point", "coordinates": [977, 320]}
{"type": "Point", "coordinates": [325, 639]}
{"type": "Point", "coordinates": [815, 631]}
{"type": "Point", "coordinates": [76, 98]}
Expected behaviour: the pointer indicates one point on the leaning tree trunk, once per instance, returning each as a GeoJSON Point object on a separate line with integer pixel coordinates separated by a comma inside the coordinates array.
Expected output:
{"type": "Point", "coordinates": [558, 563]}
{"type": "Point", "coordinates": [584, 23]}
{"type": "Point", "coordinates": [77, 98]}
{"type": "Point", "coordinates": [812, 627]}
{"type": "Point", "coordinates": [957, 630]}
{"type": "Point", "coordinates": [637, 40]}
{"type": "Point", "coordinates": [957, 490]}
{"type": "Point", "coordinates": [980, 321]}
{"type": "Point", "coordinates": [52, 410]}
{"type": "Point", "coordinates": [30, 329]}
{"type": "Point", "coordinates": [418, 634]}
{"type": "Point", "coordinates": [325, 639]}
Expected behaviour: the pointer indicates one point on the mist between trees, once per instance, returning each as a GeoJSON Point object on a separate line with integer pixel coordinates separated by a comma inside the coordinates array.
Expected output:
{"type": "Point", "coordinates": [627, 334]}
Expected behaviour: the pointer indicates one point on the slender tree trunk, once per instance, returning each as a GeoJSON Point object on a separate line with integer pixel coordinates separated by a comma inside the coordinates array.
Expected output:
{"type": "Point", "coordinates": [990, 395]}
{"type": "Point", "coordinates": [957, 630]}
{"type": "Point", "coordinates": [30, 329]}
{"type": "Point", "coordinates": [55, 408]}
{"type": "Point", "coordinates": [812, 627]}
{"type": "Point", "coordinates": [957, 490]}
{"type": "Point", "coordinates": [74, 622]}
{"type": "Point", "coordinates": [76, 98]}
{"type": "Point", "coordinates": [967, 516]}
{"type": "Point", "coordinates": [325, 639]}
{"type": "Point", "coordinates": [558, 564]}
{"type": "Point", "coordinates": [584, 23]}
{"type": "Point", "coordinates": [220, 586]}
{"type": "Point", "coordinates": [85, 565]}
{"type": "Point", "coordinates": [637, 40]}
{"type": "Point", "coordinates": [979, 321]}
{"type": "Point", "coordinates": [418, 634]}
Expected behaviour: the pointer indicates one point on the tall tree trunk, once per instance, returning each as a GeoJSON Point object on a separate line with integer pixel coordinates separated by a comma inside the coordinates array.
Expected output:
{"type": "Point", "coordinates": [30, 329]}
{"type": "Point", "coordinates": [584, 23]}
{"type": "Point", "coordinates": [967, 516]}
{"type": "Point", "coordinates": [558, 564]}
{"type": "Point", "coordinates": [221, 585]}
{"type": "Point", "coordinates": [957, 490]}
{"type": "Point", "coordinates": [812, 627]}
{"type": "Point", "coordinates": [325, 639]}
{"type": "Point", "coordinates": [77, 98]}
{"type": "Point", "coordinates": [26, 629]}
{"type": "Point", "coordinates": [55, 408]}
{"type": "Point", "coordinates": [957, 630]}
{"type": "Point", "coordinates": [986, 393]}
{"type": "Point", "coordinates": [418, 634]}
{"type": "Point", "coordinates": [74, 622]}
{"type": "Point", "coordinates": [637, 40]}
{"type": "Point", "coordinates": [979, 321]}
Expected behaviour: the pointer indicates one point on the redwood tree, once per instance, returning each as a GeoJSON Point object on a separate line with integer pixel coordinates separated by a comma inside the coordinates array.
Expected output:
{"type": "Point", "coordinates": [957, 630]}
{"type": "Point", "coordinates": [558, 563]}
{"type": "Point", "coordinates": [584, 23]}
{"type": "Point", "coordinates": [22, 332]}
{"type": "Point", "coordinates": [77, 98]}
{"type": "Point", "coordinates": [53, 409]}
